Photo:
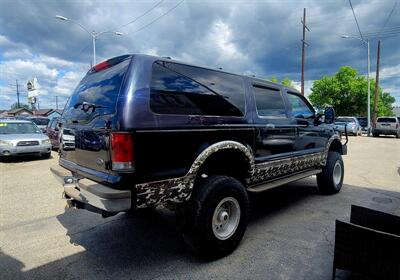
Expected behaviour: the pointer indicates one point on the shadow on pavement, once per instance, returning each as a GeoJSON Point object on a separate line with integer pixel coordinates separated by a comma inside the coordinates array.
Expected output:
{"type": "Point", "coordinates": [17, 159]}
{"type": "Point", "coordinates": [290, 236]}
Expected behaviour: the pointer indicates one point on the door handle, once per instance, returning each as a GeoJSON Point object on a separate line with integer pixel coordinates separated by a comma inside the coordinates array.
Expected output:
{"type": "Point", "coordinates": [270, 125]}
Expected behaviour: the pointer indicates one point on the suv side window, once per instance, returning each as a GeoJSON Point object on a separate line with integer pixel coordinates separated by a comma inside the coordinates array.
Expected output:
{"type": "Point", "coordinates": [299, 108]}
{"type": "Point", "coordinates": [51, 123]}
{"type": "Point", "coordinates": [269, 101]}
{"type": "Point", "coordinates": [187, 90]}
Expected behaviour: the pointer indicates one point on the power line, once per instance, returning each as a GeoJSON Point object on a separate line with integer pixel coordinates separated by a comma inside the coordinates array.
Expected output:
{"type": "Point", "coordinates": [390, 14]}
{"type": "Point", "coordinates": [390, 36]}
{"type": "Point", "coordinates": [381, 35]}
{"type": "Point", "coordinates": [142, 15]}
{"type": "Point", "coordinates": [354, 14]}
{"type": "Point", "coordinates": [82, 50]}
{"type": "Point", "coordinates": [164, 14]}
{"type": "Point", "coordinates": [390, 29]}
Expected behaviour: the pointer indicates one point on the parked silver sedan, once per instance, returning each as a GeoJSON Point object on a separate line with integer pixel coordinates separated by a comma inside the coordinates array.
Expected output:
{"type": "Point", "coordinates": [20, 137]}
{"type": "Point", "coordinates": [351, 123]}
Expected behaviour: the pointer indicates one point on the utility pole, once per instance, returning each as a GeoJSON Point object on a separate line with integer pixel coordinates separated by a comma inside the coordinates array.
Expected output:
{"type": "Point", "coordinates": [376, 84]}
{"type": "Point", "coordinates": [56, 102]}
{"type": "Point", "coordinates": [16, 83]}
{"type": "Point", "coordinates": [304, 43]}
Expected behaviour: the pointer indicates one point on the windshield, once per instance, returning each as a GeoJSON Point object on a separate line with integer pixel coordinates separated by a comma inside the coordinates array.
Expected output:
{"type": "Point", "coordinates": [40, 121]}
{"type": "Point", "coordinates": [346, 120]}
{"type": "Point", "coordinates": [18, 128]}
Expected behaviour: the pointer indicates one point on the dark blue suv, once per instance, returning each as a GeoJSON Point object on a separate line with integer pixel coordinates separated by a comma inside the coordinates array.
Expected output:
{"type": "Point", "coordinates": [151, 131]}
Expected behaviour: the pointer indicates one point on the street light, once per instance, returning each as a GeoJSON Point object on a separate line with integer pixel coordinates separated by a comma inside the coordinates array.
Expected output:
{"type": "Point", "coordinates": [366, 42]}
{"type": "Point", "coordinates": [93, 33]}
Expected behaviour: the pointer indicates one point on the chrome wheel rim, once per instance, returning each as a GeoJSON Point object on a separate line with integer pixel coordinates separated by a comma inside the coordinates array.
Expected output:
{"type": "Point", "coordinates": [337, 173]}
{"type": "Point", "coordinates": [226, 218]}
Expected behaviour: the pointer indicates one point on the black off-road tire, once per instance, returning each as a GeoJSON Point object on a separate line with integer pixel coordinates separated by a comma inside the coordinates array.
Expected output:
{"type": "Point", "coordinates": [195, 217]}
{"type": "Point", "coordinates": [328, 181]}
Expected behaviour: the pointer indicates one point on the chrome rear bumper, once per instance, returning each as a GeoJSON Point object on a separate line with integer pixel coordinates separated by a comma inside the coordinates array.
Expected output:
{"type": "Point", "coordinates": [95, 197]}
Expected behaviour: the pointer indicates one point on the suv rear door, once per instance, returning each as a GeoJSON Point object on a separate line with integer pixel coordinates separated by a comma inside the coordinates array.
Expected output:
{"type": "Point", "coordinates": [87, 118]}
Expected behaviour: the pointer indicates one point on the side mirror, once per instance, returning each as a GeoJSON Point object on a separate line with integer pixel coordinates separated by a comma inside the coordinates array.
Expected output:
{"type": "Point", "coordinates": [329, 115]}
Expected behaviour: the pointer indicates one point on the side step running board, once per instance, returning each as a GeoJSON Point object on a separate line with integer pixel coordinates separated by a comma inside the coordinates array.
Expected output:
{"type": "Point", "coordinates": [282, 181]}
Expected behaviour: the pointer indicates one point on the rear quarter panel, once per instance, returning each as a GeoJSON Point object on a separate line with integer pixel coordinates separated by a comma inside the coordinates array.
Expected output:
{"type": "Point", "coordinates": [165, 145]}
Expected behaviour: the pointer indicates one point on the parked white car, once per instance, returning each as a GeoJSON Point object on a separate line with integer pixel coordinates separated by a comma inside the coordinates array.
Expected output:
{"type": "Point", "coordinates": [351, 123]}
{"type": "Point", "coordinates": [387, 126]}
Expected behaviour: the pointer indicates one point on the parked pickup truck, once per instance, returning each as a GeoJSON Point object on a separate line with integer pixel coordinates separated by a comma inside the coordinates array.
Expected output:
{"type": "Point", "coordinates": [152, 131]}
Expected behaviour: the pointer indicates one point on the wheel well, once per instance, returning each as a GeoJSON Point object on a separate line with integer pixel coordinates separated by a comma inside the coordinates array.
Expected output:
{"type": "Point", "coordinates": [336, 146]}
{"type": "Point", "coordinates": [227, 162]}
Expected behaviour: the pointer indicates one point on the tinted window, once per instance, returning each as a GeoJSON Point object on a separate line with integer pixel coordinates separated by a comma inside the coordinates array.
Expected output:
{"type": "Point", "coordinates": [362, 121]}
{"type": "Point", "coordinates": [346, 120]}
{"type": "Point", "coordinates": [99, 88]}
{"type": "Point", "coordinates": [40, 121]}
{"type": "Point", "coordinates": [388, 120]}
{"type": "Point", "coordinates": [299, 108]}
{"type": "Point", "coordinates": [18, 128]}
{"type": "Point", "coordinates": [188, 90]}
{"type": "Point", "coordinates": [269, 101]}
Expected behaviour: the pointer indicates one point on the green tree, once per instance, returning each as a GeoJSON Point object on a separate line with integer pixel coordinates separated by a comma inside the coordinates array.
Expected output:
{"type": "Point", "coordinates": [273, 79]}
{"type": "Point", "coordinates": [21, 105]}
{"type": "Point", "coordinates": [347, 92]}
{"type": "Point", "coordinates": [286, 81]}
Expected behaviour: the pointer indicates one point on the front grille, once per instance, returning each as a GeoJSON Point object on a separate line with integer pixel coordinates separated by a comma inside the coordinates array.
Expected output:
{"type": "Point", "coordinates": [28, 143]}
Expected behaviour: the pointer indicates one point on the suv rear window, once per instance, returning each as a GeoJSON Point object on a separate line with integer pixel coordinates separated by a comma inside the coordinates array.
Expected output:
{"type": "Point", "coordinates": [187, 90]}
{"type": "Point", "coordinates": [269, 101]}
{"type": "Point", "coordinates": [98, 88]}
{"type": "Point", "coordinates": [386, 120]}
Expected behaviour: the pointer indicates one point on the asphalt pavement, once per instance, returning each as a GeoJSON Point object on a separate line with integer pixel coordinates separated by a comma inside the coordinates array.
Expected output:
{"type": "Point", "coordinates": [290, 235]}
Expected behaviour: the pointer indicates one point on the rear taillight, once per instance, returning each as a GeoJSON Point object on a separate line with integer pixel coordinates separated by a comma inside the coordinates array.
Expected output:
{"type": "Point", "coordinates": [122, 151]}
{"type": "Point", "coordinates": [397, 125]}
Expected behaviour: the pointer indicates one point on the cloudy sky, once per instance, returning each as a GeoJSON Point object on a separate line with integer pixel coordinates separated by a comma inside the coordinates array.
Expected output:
{"type": "Point", "coordinates": [252, 37]}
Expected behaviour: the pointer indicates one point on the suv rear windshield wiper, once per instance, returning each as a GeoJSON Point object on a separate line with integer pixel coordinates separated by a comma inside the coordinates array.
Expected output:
{"type": "Point", "coordinates": [86, 106]}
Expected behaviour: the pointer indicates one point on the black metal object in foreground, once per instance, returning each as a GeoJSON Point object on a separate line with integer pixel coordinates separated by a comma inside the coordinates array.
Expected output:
{"type": "Point", "coordinates": [369, 244]}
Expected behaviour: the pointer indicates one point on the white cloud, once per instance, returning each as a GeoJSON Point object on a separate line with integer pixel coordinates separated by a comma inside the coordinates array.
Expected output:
{"type": "Point", "coordinates": [67, 83]}
{"type": "Point", "coordinates": [55, 76]}
{"type": "Point", "coordinates": [28, 69]}
{"type": "Point", "coordinates": [54, 62]}
{"type": "Point", "coordinates": [307, 86]}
